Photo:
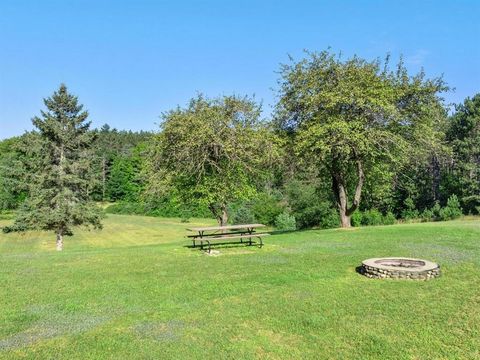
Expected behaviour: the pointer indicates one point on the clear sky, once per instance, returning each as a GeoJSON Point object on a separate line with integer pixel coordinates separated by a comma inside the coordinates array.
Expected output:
{"type": "Point", "coordinates": [128, 61]}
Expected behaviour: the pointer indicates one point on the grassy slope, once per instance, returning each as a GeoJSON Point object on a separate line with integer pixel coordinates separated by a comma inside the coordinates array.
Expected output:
{"type": "Point", "coordinates": [135, 291]}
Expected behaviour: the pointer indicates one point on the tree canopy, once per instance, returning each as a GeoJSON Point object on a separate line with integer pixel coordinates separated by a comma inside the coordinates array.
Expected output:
{"type": "Point", "coordinates": [351, 117]}
{"type": "Point", "coordinates": [212, 152]}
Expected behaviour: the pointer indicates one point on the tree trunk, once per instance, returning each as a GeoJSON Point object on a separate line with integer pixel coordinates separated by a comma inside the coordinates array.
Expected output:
{"type": "Point", "coordinates": [341, 196]}
{"type": "Point", "coordinates": [436, 177]}
{"type": "Point", "coordinates": [59, 241]}
{"type": "Point", "coordinates": [224, 216]}
{"type": "Point", "coordinates": [345, 220]}
{"type": "Point", "coordinates": [104, 177]}
{"type": "Point", "coordinates": [220, 214]}
{"type": "Point", "coordinates": [341, 199]}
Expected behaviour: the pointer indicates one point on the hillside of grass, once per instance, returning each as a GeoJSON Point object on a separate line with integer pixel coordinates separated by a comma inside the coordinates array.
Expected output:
{"type": "Point", "coordinates": [135, 290]}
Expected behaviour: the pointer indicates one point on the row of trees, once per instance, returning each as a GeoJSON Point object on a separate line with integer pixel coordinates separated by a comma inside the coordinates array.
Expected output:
{"type": "Point", "coordinates": [346, 136]}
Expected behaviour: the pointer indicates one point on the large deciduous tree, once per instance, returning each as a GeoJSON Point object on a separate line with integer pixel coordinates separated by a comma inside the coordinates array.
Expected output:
{"type": "Point", "coordinates": [212, 152]}
{"type": "Point", "coordinates": [349, 118]}
{"type": "Point", "coordinates": [58, 169]}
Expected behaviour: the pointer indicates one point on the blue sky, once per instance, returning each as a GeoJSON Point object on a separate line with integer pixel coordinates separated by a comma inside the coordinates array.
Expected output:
{"type": "Point", "coordinates": [128, 61]}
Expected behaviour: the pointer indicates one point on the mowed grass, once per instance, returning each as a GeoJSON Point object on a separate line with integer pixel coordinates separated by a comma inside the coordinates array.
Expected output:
{"type": "Point", "coordinates": [135, 291]}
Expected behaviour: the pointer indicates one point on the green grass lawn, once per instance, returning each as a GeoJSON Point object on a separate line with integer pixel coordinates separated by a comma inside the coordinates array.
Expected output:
{"type": "Point", "coordinates": [134, 290]}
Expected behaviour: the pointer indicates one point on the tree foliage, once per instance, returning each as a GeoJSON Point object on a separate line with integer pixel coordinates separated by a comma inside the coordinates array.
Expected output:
{"type": "Point", "coordinates": [58, 170]}
{"type": "Point", "coordinates": [12, 177]}
{"type": "Point", "coordinates": [462, 176]}
{"type": "Point", "coordinates": [351, 117]}
{"type": "Point", "coordinates": [212, 152]}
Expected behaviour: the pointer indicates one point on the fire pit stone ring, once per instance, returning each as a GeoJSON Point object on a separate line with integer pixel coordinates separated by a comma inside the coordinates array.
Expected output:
{"type": "Point", "coordinates": [400, 268]}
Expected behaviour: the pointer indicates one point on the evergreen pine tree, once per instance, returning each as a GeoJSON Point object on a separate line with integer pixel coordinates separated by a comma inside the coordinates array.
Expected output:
{"type": "Point", "coordinates": [59, 176]}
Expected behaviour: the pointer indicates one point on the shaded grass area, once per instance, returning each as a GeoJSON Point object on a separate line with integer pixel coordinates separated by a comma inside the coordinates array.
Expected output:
{"type": "Point", "coordinates": [134, 290]}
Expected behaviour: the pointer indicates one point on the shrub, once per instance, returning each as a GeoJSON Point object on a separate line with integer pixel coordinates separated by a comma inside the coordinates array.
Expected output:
{"type": "Point", "coordinates": [409, 212]}
{"type": "Point", "coordinates": [389, 219]}
{"type": "Point", "coordinates": [451, 211]}
{"type": "Point", "coordinates": [372, 217]}
{"type": "Point", "coordinates": [126, 208]}
{"type": "Point", "coordinates": [329, 218]}
{"type": "Point", "coordinates": [285, 222]}
{"type": "Point", "coordinates": [308, 211]}
{"type": "Point", "coordinates": [266, 208]}
{"type": "Point", "coordinates": [445, 214]}
{"type": "Point", "coordinates": [454, 207]}
{"type": "Point", "coordinates": [356, 218]}
{"type": "Point", "coordinates": [160, 208]}
{"type": "Point", "coordinates": [436, 211]}
{"type": "Point", "coordinates": [243, 215]}
{"type": "Point", "coordinates": [471, 204]}
{"type": "Point", "coordinates": [427, 215]}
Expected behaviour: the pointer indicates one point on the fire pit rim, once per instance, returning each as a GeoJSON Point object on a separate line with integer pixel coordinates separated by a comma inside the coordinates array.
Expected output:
{"type": "Point", "coordinates": [428, 265]}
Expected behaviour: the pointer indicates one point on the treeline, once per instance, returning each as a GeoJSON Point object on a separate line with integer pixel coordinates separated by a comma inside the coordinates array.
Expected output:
{"type": "Point", "coordinates": [351, 142]}
{"type": "Point", "coordinates": [115, 165]}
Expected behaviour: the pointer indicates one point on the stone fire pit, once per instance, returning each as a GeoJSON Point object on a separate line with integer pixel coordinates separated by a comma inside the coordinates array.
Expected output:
{"type": "Point", "coordinates": [400, 268]}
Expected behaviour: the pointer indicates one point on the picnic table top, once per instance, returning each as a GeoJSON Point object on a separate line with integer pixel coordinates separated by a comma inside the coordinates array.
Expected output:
{"type": "Point", "coordinates": [228, 227]}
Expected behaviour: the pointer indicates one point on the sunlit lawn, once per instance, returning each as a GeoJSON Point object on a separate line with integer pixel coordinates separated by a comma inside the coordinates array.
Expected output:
{"type": "Point", "coordinates": [134, 290]}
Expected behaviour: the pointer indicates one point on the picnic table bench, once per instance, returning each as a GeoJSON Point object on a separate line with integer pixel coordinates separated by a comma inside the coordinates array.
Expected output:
{"type": "Point", "coordinates": [223, 233]}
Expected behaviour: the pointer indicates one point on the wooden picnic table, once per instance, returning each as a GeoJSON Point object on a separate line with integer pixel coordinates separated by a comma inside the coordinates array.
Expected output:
{"type": "Point", "coordinates": [222, 233]}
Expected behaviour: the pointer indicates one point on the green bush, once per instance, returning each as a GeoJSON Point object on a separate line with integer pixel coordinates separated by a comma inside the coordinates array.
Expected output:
{"type": "Point", "coordinates": [126, 208]}
{"type": "Point", "coordinates": [409, 212]}
{"type": "Point", "coordinates": [389, 219]}
{"type": "Point", "coordinates": [453, 204]}
{"type": "Point", "coordinates": [308, 211]}
{"type": "Point", "coordinates": [451, 211]}
{"type": "Point", "coordinates": [243, 215]}
{"type": "Point", "coordinates": [285, 222]}
{"type": "Point", "coordinates": [436, 211]}
{"type": "Point", "coordinates": [266, 208]}
{"type": "Point", "coordinates": [427, 215]}
{"type": "Point", "coordinates": [471, 204]}
{"type": "Point", "coordinates": [445, 214]}
{"type": "Point", "coordinates": [356, 219]}
{"type": "Point", "coordinates": [372, 217]}
{"type": "Point", "coordinates": [159, 208]}
{"type": "Point", "coordinates": [329, 218]}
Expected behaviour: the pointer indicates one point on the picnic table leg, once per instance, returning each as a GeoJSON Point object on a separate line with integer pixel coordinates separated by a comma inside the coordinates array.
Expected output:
{"type": "Point", "coordinates": [200, 234]}
{"type": "Point", "coordinates": [209, 246]}
{"type": "Point", "coordinates": [261, 243]}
